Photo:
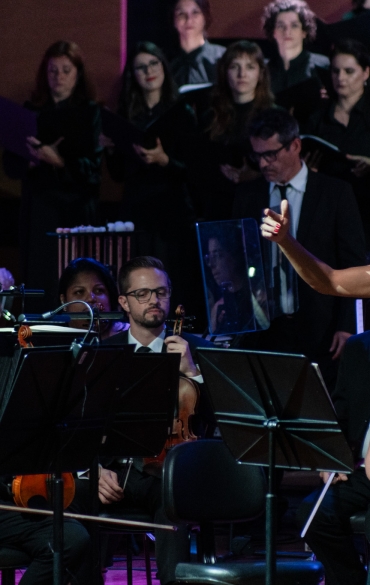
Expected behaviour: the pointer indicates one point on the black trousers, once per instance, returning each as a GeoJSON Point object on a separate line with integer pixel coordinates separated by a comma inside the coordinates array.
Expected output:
{"type": "Point", "coordinates": [145, 491]}
{"type": "Point", "coordinates": [330, 534]}
{"type": "Point", "coordinates": [34, 535]}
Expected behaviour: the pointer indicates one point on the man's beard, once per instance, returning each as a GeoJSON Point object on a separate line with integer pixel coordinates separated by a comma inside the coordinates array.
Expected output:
{"type": "Point", "coordinates": [153, 321]}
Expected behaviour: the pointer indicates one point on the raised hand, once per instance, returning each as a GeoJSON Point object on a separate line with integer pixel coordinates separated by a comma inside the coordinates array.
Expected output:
{"type": "Point", "coordinates": [275, 226]}
{"type": "Point", "coordinates": [176, 344]}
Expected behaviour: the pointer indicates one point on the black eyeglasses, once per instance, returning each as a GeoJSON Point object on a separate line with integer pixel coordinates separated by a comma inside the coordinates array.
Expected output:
{"type": "Point", "coordinates": [269, 155]}
{"type": "Point", "coordinates": [154, 65]}
{"type": "Point", "coordinates": [143, 295]}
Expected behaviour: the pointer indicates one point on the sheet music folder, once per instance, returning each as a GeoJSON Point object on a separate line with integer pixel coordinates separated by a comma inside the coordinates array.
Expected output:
{"type": "Point", "coordinates": [124, 133]}
{"type": "Point", "coordinates": [250, 389]}
{"type": "Point", "coordinates": [16, 124]}
{"type": "Point", "coordinates": [58, 407]}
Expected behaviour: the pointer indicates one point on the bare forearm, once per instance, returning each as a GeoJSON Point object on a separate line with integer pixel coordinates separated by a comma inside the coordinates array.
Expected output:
{"type": "Point", "coordinates": [316, 273]}
{"type": "Point", "coordinates": [349, 282]}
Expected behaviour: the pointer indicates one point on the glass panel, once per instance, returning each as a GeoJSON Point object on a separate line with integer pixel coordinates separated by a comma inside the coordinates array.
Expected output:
{"type": "Point", "coordinates": [233, 276]}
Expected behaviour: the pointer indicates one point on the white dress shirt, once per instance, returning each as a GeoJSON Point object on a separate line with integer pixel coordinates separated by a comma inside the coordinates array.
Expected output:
{"type": "Point", "coordinates": [294, 195]}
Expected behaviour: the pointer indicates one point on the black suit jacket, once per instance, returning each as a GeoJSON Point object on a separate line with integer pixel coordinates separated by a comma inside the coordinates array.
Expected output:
{"type": "Point", "coordinates": [351, 396]}
{"type": "Point", "coordinates": [330, 228]}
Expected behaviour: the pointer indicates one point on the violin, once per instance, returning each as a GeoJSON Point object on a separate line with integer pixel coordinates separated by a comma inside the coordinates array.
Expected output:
{"type": "Point", "coordinates": [187, 405]}
{"type": "Point", "coordinates": [25, 487]}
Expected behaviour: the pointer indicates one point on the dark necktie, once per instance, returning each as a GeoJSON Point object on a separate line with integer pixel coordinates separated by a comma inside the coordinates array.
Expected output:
{"type": "Point", "coordinates": [282, 189]}
{"type": "Point", "coordinates": [143, 349]}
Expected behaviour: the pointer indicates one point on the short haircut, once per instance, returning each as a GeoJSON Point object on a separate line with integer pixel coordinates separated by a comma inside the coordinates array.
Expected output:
{"type": "Point", "coordinates": [274, 121]}
{"type": "Point", "coordinates": [301, 8]}
{"type": "Point", "coordinates": [89, 265]}
{"type": "Point", "coordinates": [354, 48]}
{"type": "Point", "coordinates": [204, 6]}
{"type": "Point", "coordinates": [136, 264]}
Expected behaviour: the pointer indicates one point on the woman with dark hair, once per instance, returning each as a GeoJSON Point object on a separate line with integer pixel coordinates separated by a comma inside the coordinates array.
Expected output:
{"type": "Point", "coordinates": [359, 7]}
{"type": "Point", "coordinates": [63, 188]}
{"type": "Point", "coordinates": [155, 195]}
{"type": "Point", "coordinates": [345, 122]}
{"type": "Point", "coordinates": [86, 279]}
{"type": "Point", "coordinates": [243, 90]}
{"type": "Point", "coordinates": [197, 59]}
{"type": "Point", "coordinates": [290, 23]}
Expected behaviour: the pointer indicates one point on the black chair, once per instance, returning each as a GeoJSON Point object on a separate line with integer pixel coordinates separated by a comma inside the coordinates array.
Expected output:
{"type": "Point", "coordinates": [137, 515]}
{"type": "Point", "coordinates": [204, 485]}
{"type": "Point", "coordinates": [12, 559]}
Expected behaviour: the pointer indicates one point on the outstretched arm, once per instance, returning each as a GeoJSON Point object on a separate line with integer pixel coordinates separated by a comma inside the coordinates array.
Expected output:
{"type": "Point", "coordinates": [349, 282]}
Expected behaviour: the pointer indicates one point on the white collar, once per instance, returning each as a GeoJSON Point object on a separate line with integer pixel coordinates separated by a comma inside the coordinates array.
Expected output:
{"type": "Point", "coordinates": [156, 345]}
{"type": "Point", "coordinates": [298, 182]}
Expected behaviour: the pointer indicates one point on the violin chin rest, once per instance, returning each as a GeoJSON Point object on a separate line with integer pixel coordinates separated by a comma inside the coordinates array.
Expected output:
{"type": "Point", "coordinates": [38, 502]}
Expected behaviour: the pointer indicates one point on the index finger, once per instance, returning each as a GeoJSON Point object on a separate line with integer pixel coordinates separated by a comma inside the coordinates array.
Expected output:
{"type": "Point", "coordinates": [174, 339]}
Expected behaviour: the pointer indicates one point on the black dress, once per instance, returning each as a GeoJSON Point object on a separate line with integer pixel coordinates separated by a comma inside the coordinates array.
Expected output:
{"type": "Point", "coordinates": [351, 139]}
{"type": "Point", "coordinates": [57, 197]}
{"type": "Point", "coordinates": [156, 199]}
{"type": "Point", "coordinates": [198, 66]}
{"type": "Point", "coordinates": [213, 192]}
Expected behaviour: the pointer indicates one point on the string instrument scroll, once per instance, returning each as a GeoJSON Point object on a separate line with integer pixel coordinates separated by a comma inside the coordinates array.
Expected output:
{"type": "Point", "coordinates": [187, 404]}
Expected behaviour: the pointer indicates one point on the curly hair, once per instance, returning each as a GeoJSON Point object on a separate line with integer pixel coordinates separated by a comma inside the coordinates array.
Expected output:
{"type": "Point", "coordinates": [131, 99]}
{"type": "Point", "coordinates": [305, 15]}
{"type": "Point", "coordinates": [224, 112]}
{"type": "Point", "coordinates": [84, 89]}
{"type": "Point", "coordinates": [358, 6]}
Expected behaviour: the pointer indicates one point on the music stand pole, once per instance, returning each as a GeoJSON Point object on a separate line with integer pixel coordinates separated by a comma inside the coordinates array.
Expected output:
{"type": "Point", "coordinates": [271, 500]}
{"type": "Point", "coordinates": [58, 530]}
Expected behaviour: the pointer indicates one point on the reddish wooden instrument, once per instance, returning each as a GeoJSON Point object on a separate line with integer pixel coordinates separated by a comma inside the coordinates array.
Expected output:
{"type": "Point", "coordinates": [188, 399]}
{"type": "Point", "coordinates": [24, 487]}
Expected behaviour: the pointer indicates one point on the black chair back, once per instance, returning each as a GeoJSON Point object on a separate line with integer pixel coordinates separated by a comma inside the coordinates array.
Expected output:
{"type": "Point", "coordinates": [203, 482]}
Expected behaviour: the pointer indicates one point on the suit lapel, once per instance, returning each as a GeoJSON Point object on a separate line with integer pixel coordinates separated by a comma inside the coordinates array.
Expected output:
{"type": "Point", "coordinates": [310, 201]}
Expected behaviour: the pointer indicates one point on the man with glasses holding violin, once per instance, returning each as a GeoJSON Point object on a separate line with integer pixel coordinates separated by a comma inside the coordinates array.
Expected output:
{"type": "Point", "coordinates": [145, 292]}
{"type": "Point", "coordinates": [325, 220]}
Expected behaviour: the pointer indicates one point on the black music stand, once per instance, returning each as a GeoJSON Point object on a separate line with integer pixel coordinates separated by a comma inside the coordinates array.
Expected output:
{"type": "Point", "coordinates": [146, 408]}
{"type": "Point", "coordinates": [273, 409]}
{"type": "Point", "coordinates": [58, 405]}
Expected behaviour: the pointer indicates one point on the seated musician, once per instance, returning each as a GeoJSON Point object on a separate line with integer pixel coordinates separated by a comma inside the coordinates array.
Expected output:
{"type": "Point", "coordinates": [86, 279]}
{"type": "Point", "coordinates": [145, 296]}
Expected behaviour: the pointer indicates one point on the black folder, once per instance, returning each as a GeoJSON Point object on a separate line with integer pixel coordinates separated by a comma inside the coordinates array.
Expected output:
{"type": "Point", "coordinates": [16, 125]}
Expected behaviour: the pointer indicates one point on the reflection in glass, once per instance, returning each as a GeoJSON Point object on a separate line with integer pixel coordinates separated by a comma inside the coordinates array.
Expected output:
{"type": "Point", "coordinates": [233, 276]}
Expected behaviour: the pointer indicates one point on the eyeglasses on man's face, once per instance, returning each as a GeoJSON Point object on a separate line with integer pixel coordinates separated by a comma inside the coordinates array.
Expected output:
{"type": "Point", "coordinates": [143, 295]}
{"type": "Point", "coordinates": [154, 65]}
{"type": "Point", "coordinates": [268, 156]}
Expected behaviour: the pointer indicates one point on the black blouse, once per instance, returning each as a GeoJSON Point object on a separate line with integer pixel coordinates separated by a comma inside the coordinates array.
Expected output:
{"type": "Point", "coordinates": [351, 139]}
{"type": "Point", "coordinates": [198, 66]}
{"type": "Point", "coordinates": [304, 66]}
